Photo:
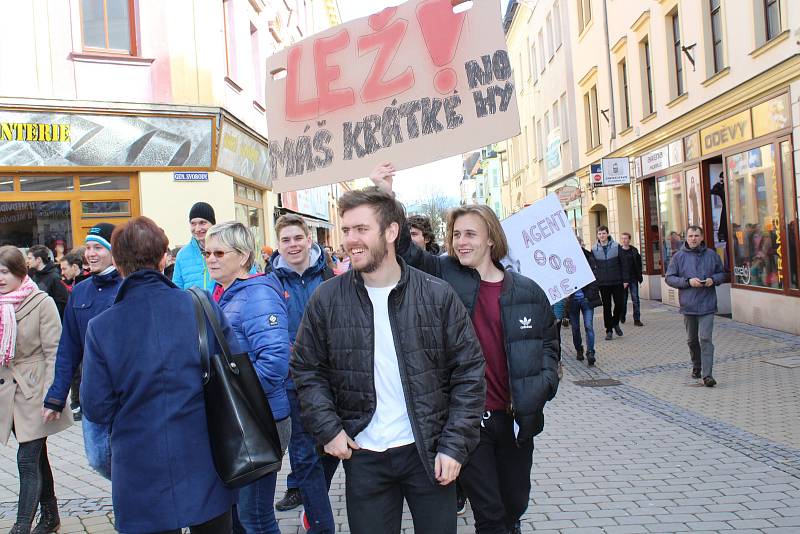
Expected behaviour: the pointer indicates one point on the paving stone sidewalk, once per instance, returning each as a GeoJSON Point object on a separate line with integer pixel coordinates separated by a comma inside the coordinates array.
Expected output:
{"type": "Point", "coordinates": [655, 453]}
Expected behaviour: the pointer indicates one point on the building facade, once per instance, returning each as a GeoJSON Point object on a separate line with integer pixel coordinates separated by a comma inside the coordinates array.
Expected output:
{"type": "Point", "coordinates": [703, 99]}
{"type": "Point", "coordinates": [123, 108]}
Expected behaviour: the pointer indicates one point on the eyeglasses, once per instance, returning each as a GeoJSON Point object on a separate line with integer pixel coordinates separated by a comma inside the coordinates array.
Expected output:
{"type": "Point", "coordinates": [219, 254]}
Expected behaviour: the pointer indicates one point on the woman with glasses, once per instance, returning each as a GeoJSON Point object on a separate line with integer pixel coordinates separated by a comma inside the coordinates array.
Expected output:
{"type": "Point", "coordinates": [29, 333]}
{"type": "Point", "coordinates": [255, 306]}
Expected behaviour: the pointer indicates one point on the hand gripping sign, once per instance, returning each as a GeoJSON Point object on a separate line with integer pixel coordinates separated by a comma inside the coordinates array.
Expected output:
{"type": "Point", "coordinates": [543, 247]}
{"type": "Point", "coordinates": [411, 84]}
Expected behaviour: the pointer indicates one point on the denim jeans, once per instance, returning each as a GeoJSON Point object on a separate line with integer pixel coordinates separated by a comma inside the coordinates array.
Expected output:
{"type": "Point", "coordinates": [633, 289]}
{"type": "Point", "coordinates": [255, 508]}
{"type": "Point", "coordinates": [576, 307]}
{"type": "Point", "coordinates": [309, 473]}
{"type": "Point", "coordinates": [97, 443]}
{"type": "Point", "coordinates": [699, 333]}
{"type": "Point", "coordinates": [35, 479]}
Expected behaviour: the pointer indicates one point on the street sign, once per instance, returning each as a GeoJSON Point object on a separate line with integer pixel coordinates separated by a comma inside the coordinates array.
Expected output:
{"type": "Point", "coordinates": [190, 177]}
{"type": "Point", "coordinates": [616, 171]}
{"type": "Point", "coordinates": [597, 175]}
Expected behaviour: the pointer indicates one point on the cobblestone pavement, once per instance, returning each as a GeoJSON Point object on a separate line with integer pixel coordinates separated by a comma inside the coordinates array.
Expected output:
{"type": "Point", "coordinates": [654, 453]}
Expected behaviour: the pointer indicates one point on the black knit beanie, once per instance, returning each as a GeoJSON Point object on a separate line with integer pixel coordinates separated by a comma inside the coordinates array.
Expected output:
{"type": "Point", "coordinates": [101, 233]}
{"type": "Point", "coordinates": [203, 211]}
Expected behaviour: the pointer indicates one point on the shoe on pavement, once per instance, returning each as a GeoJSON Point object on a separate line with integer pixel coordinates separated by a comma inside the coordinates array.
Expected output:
{"type": "Point", "coordinates": [291, 500]}
{"type": "Point", "coordinates": [709, 382]}
{"type": "Point", "coordinates": [695, 373]}
{"type": "Point", "coordinates": [622, 320]}
{"type": "Point", "coordinates": [590, 359]}
{"type": "Point", "coordinates": [618, 330]}
{"type": "Point", "coordinates": [461, 504]}
{"type": "Point", "coordinates": [77, 415]}
{"type": "Point", "coordinates": [579, 355]}
{"type": "Point", "coordinates": [638, 323]}
{"type": "Point", "coordinates": [609, 336]}
{"type": "Point", "coordinates": [48, 520]}
{"type": "Point", "coordinates": [306, 524]}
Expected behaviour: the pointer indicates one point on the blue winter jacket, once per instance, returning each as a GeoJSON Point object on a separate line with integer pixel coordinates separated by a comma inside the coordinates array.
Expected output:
{"type": "Point", "coordinates": [88, 299]}
{"type": "Point", "coordinates": [699, 263]}
{"type": "Point", "coordinates": [297, 289]}
{"type": "Point", "coordinates": [142, 376]}
{"type": "Point", "coordinates": [257, 312]}
{"type": "Point", "coordinates": [191, 269]}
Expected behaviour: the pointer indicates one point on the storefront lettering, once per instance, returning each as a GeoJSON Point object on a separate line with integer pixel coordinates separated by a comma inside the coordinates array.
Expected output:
{"type": "Point", "coordinates": [34, 132]}
{"type": "Point", "coordinates": [725, 135]}
{"type": "Point", "coordinates": [728, 132]}
{"type": "Point", "coordinates": [743, 272]}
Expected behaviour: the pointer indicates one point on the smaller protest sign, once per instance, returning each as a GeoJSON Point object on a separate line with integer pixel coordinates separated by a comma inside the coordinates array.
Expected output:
{"type": "Point", "coordinates": [543, 247]}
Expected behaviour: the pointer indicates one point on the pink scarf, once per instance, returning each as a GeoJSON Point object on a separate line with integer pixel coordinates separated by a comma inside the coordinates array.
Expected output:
{"type": "Point", "coordinates": [9, 304]}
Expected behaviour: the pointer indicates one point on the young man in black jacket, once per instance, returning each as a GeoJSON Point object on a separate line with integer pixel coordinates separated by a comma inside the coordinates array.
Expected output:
{"type": "Point", "coordinates": [633, 260]}
{"type": "Point", "coordinates": [612, 275]}
{"type": "Point", "coordinates": [389, 374]}
{"type": "Point", "coordinates": [45, 273]}
{"type": "Point", "coordinates": [517, 332]}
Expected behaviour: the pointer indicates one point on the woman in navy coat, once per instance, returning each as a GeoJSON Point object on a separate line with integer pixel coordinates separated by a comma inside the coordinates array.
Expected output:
{"type": "Point", "coordinates": [256, 309]}
{"type": "Point", "coordinates": [142, 376]}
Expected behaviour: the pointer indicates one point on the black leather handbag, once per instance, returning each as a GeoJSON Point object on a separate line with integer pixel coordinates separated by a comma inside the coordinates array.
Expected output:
{"type": "Point", "coordinates": [244, 438]}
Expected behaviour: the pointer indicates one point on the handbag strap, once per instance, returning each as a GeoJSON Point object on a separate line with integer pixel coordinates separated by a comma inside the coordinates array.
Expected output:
{"type": "Point", "coordinates": [202, 297]}
{"type": "Point", "coordinates": [202, 334]}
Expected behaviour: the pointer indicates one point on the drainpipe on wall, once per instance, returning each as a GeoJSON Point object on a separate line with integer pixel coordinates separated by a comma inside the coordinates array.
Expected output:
{"type": "Point", "coordinates": [612, 120]}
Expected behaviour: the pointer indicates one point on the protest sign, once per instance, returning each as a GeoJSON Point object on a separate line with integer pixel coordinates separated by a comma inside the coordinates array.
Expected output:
{"type": "Point", "coordinates": [412, 84]}
{"type": "Point", "coordinates": [543, 247]}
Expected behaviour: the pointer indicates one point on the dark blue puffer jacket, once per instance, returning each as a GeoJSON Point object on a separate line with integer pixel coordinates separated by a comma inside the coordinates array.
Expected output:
{"type": "Point", "coordinates": [257, 312]}
{"type": "Point", "coordinates": [297, 289]}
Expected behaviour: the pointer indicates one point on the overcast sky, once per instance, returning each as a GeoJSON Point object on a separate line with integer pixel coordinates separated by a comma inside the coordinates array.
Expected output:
{"type": "Point", "coordinates": [444, 175]}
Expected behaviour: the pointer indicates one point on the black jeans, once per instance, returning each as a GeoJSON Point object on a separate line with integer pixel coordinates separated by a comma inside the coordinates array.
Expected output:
{"type": "Point", "coordinates": [35, 479]}
{"type": "Point", "coordinates": [222, 524]}
{"type": "Point", "coordinates": [376, 484]}
{"type": "Point", "coordinates": [75, 389]}
{"type": "Point", "coordinates": [497, 477]}
{"type": "Point", "coordinates": [612, 294]}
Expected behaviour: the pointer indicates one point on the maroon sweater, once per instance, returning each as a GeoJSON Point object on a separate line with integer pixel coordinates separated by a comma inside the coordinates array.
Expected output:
{"type": "Point", "coordinates": [489, 328]}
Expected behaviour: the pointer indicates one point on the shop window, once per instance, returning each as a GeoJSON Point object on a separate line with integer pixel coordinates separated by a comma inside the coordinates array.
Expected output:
{"type": "Point", "coordinates": [105, 183]}
{"type": "Point", "coordinates": [43, 184]}
{"type": "Point", "coordinates": [24, 224]}
{"type": "Point", "coordinates": [790, 214]}
{"type": "Point", "coordinates": [671, 214]}
{"type": "Point", "coordinates": [6, 184]}
{"type": "Point", "coordinates": [249, 211]}
{"type": "Point", "coordinates": [107, 26]}
{"type": "Point", "coordinates": [755, 218]}
{"type": "Point", "coordinates": [652, 258]}
{"type": "Point", "coordinates": [112, 208]}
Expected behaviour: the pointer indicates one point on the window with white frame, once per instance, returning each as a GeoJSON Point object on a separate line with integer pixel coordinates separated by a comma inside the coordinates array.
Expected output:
{"type": "Point", "coordinates": [542, 59]}
{"type": "Point", "coordinates": [557, 23]}
{"type": "Point", "coordinates": [564, 119]}
{"type": "Point", "coordinates": [591, 118]}
{"type": "Point", "coordinates": [648, 96]}
{"type": "Point", "coordinates": [676, 55]}
{"type": "Point", "coordinates": [624, 94]}
{"type": "Point", "coordinates": [550, 37]}
{"type": "Point", "coordinates": [584, 14]}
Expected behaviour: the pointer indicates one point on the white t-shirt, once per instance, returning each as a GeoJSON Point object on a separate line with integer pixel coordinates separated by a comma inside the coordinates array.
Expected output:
{"type": "Point", "coordinates": [390, 426]}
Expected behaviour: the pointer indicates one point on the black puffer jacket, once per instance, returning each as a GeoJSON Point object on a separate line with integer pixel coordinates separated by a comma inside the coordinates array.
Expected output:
{"type": "Point", "coordinates": [441, 363]}
{"type": "Point", "coordinates": [50, 282]}
{"type": "Point", "coordinates": [529, 331]}
{"type": "Point", "coordinates": [590, 291]}
{"type": "Point", "coordinates": [611, 269]}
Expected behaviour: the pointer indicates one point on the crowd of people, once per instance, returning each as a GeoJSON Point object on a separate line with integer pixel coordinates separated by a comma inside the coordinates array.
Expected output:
{"type": "Point", "coordinates": [425, 373]}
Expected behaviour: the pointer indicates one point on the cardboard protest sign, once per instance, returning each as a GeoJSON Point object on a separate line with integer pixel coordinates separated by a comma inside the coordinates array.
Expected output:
{"type": "Point", "coordinates": [412, 84]}
{"type": "Point", "coordinates": [543, 247]}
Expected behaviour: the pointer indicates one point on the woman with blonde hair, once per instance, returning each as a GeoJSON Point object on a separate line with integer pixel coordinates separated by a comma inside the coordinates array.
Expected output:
{"type": "Point", "coordinates": [29, 332]}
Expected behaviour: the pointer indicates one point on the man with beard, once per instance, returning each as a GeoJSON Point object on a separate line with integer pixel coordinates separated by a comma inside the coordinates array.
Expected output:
{"type": "Point", "coordinates": [389, 374]}
{"type": "Point", "coordinates": [88, 300]}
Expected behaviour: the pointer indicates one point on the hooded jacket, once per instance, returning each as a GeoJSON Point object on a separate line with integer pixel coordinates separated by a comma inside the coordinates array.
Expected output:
{"type": "Point", "coordinates": [190, 268]}
{"type": "Point", "coordinates": [88, 300]}
{"type": "Point", "coordinates": [49, 281]}
{"type": "Point", "coordinates": [439, 357]}
{"type": "Point", "coordinates": [529, 330]}
{"type": "Point", "coordinates": [257, 312]}
{"type": "Point", "coordinates": [700, 263]}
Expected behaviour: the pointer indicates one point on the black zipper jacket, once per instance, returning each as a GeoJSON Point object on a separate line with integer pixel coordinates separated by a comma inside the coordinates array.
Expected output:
{"type": "Point", "coordinates": [440, 360]}
{"type": "Point", "coordinates": [529, 331]}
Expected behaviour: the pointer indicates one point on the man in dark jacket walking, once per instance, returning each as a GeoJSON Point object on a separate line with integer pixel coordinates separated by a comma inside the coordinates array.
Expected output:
{"type": "Point", "coordinates": [612, 275]}
{"type": "Point", "coordinates": [516, 328]}
{"type": "Point", "coordinates": [584, 301]}
{"type": "Point", "coordinates": [633, 260]}
{"type": "Point", "coordinates": [300, 266]}
{"type": "Point", "coordinates": [88, 300]}
{"type": "Point", "coordinates": [389, 374]}
{"type": "Point", "coordinates": [695, 270]}
{"type": "Point", "coordinates": [45, 273]}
